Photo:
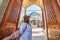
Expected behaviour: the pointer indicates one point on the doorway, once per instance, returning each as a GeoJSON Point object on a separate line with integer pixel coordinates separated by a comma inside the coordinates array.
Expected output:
{"type": "Point", "coordinates": [36, 21]}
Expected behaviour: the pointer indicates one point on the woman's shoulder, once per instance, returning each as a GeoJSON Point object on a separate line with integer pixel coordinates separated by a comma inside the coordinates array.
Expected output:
{"type": "Point", "coordinates": [23, 23]}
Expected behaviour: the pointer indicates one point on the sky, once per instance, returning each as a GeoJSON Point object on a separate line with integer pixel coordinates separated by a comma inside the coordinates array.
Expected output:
{"type": "Point", "coordinates": [32, 8]}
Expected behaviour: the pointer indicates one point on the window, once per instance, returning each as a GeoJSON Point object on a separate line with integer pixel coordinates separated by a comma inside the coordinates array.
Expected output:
{"type": "Point", "coordinates": [58, 2]}
{"type": "Point", "coordinates": [3, 6]}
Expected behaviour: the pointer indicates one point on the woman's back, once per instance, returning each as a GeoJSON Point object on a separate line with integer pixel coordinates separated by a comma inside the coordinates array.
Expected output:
{"type": "Point", "coordinates": [27, 34]}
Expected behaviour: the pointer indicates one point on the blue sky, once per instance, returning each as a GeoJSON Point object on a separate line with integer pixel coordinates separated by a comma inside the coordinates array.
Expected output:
{"type": "Point", "coordinates": [32, 8]}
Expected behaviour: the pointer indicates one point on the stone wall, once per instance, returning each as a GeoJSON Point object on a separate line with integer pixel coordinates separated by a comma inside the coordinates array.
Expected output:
{"type": "Point", "coordinates": [10, 18]}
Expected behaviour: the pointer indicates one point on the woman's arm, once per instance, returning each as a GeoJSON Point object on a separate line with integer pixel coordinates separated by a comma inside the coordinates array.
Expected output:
{"type": "Point", "coordinates": [15, 35]}
{"type": "Point", "coordinates": [18, 33]}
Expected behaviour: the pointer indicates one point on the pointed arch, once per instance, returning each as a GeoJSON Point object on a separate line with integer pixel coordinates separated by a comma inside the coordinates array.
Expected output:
{"type": "Point", "coordinates": [34, 8]}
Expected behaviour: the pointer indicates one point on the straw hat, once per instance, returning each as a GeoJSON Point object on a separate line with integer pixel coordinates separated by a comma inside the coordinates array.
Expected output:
{"type": "Point", "coordinates": [26, 18]}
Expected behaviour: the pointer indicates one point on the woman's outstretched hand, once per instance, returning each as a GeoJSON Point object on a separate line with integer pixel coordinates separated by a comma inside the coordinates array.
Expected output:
{"type": "Point", "coordinates": [15, 35]}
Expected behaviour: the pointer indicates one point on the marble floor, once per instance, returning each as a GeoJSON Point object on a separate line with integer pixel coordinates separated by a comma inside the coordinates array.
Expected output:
{"type": "Point", "coordinates": [38, 38]}
{"type": "Point", "coordinates": [38, 34]}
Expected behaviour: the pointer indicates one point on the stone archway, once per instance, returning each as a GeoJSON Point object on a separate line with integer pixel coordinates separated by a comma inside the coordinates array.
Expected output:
{"type": "Point", "coordinates": [36, 20]}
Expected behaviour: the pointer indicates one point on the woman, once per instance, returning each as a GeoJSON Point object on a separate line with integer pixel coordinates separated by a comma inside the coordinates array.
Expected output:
{"type": "Point", "coordinates": [25, 29]}
{"type": "Point", "coordinates": [24, 33]}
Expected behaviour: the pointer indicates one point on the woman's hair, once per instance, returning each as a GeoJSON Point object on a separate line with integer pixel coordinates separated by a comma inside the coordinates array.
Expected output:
{"type": "Point", "coordinates": [26, 18]}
